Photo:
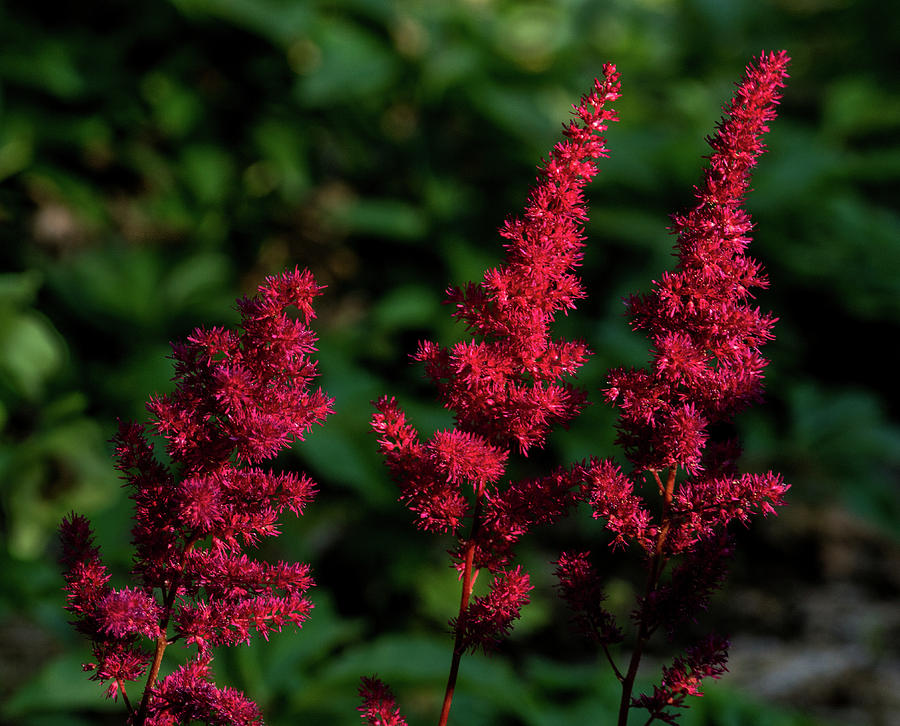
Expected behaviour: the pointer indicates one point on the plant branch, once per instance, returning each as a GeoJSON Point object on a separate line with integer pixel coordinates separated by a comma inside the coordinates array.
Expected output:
{"type": "Point", "coordinates": [615, 668]}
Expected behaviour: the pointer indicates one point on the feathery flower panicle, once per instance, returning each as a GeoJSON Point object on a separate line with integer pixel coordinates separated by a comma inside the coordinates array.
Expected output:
{"type": "Point", "coordinates": [239, 398]}
{"type": "Point", "coordinates": [705, 367]}
{"type": "Point", "coordinates": [507, 387]}
{"type": "Point", "coordinates": [706, 333]}
{"type": "Point", "coordinates": [507, 384]}
{"type": "Point", "coordinates": [189, 695]}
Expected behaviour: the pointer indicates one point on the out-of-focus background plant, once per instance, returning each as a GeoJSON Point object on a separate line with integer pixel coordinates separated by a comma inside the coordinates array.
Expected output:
{"type": "Point", "coordinates": [158, 159]}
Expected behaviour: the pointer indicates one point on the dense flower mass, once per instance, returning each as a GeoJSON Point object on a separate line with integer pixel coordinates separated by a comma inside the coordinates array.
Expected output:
{"type": "Point", "coordinates": [706, 333]}
{"type": "Point", "coordinates": [240, 397]}
{"type": "Point", "coordinates": [705, 367]}
{"type": "Point", "coordinates": [507, 383]}
{"type": "Point", "coordinates": [189, 695]}
{"type": "Point", "coordinates": [507, 387]}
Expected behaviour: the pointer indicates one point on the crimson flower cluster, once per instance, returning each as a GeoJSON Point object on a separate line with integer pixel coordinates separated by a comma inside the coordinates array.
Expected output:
{"type": "Point", "coordinates": [239, 399]}
{"type": "Point", "coordinates": [507, 387]}
{"type": "Point", "coordinates": [705, 367]}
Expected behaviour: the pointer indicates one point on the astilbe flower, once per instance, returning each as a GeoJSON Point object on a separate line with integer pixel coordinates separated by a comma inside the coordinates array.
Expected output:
{"type": "Point", "coordinates": [705, 367]}
{"type": "Point", "coordinates": [239, 398]}
{"type": "Point", "coordinates": [507, 387]}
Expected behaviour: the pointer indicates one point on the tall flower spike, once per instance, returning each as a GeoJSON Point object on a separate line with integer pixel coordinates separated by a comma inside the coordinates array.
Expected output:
{"type": "Point", "coordinates": [239, 398]}
{"type": "Point", "coordinates": [507, 384]}
{"type": "Point", "coordinates": [507, 388]}
{"type": "Point", "coordinates": [705, 367]}
{"type": "Point", "coordinates": [706, 333]}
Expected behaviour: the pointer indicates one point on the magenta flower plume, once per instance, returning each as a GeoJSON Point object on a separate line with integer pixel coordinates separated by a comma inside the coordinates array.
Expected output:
{"type": "Point", "coordinates": [507, 384]}
{"type": "Point", "coordinates": [239, 398]}
{"type": "Point", "coordinates": [705, 367]}
{"type": "Point", "coordinates": [706, 334]}
{"type": "Point", "coordinates": [706, 362]}
{"type": "Point", "coordinates": [507, 387]}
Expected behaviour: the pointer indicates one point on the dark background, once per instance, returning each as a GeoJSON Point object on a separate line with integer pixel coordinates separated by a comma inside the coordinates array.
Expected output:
{"type": "Point", "coordinates": [157, 160]}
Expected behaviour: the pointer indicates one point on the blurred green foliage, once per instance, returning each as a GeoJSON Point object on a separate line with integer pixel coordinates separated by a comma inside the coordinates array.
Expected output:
{"type": "Point", "coordinates": [157, 160]}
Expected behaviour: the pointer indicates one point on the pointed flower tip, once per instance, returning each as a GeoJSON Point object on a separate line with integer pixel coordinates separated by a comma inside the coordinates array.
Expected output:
{"type": "Point", "coordinates": [379, 705]}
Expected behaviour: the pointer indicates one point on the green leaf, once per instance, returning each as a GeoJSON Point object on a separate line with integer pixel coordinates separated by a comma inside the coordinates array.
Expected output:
{"type": "Point", "coordinates": [61, 687]}
{"type": "Point", "coordinates": [391, 218]}
{"type": "Point", "coordinates": [208, 172]}
{"type": "Point", "coordinates": [354, 63]}
{"type": "Point", "coordinates": [31, 352]}
{"type": "Point", "coordinates": [277, 20]}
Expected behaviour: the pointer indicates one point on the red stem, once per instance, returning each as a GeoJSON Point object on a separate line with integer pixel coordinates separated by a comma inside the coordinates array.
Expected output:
{"type": "Point", "coordinates": [124, 695]}
{"type": "Point", "coordinates": [467, 585]}
{"type": "Point", "coordinates": [162, 641]}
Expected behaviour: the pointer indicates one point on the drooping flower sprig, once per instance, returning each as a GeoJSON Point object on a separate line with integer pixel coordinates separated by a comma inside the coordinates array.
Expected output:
{"type": "Point", "coordinates": [239, 399]}
{"type": "Point", "coordinates": [705, 367]}
{"type": "Point", "coordinates": [379, 706]}
{"type": "Point", "coordinates": [507, 387]}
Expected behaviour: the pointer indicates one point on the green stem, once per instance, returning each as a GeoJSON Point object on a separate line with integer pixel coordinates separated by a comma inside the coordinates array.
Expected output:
{"type": "Point", "coordinates": [657, 564]}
